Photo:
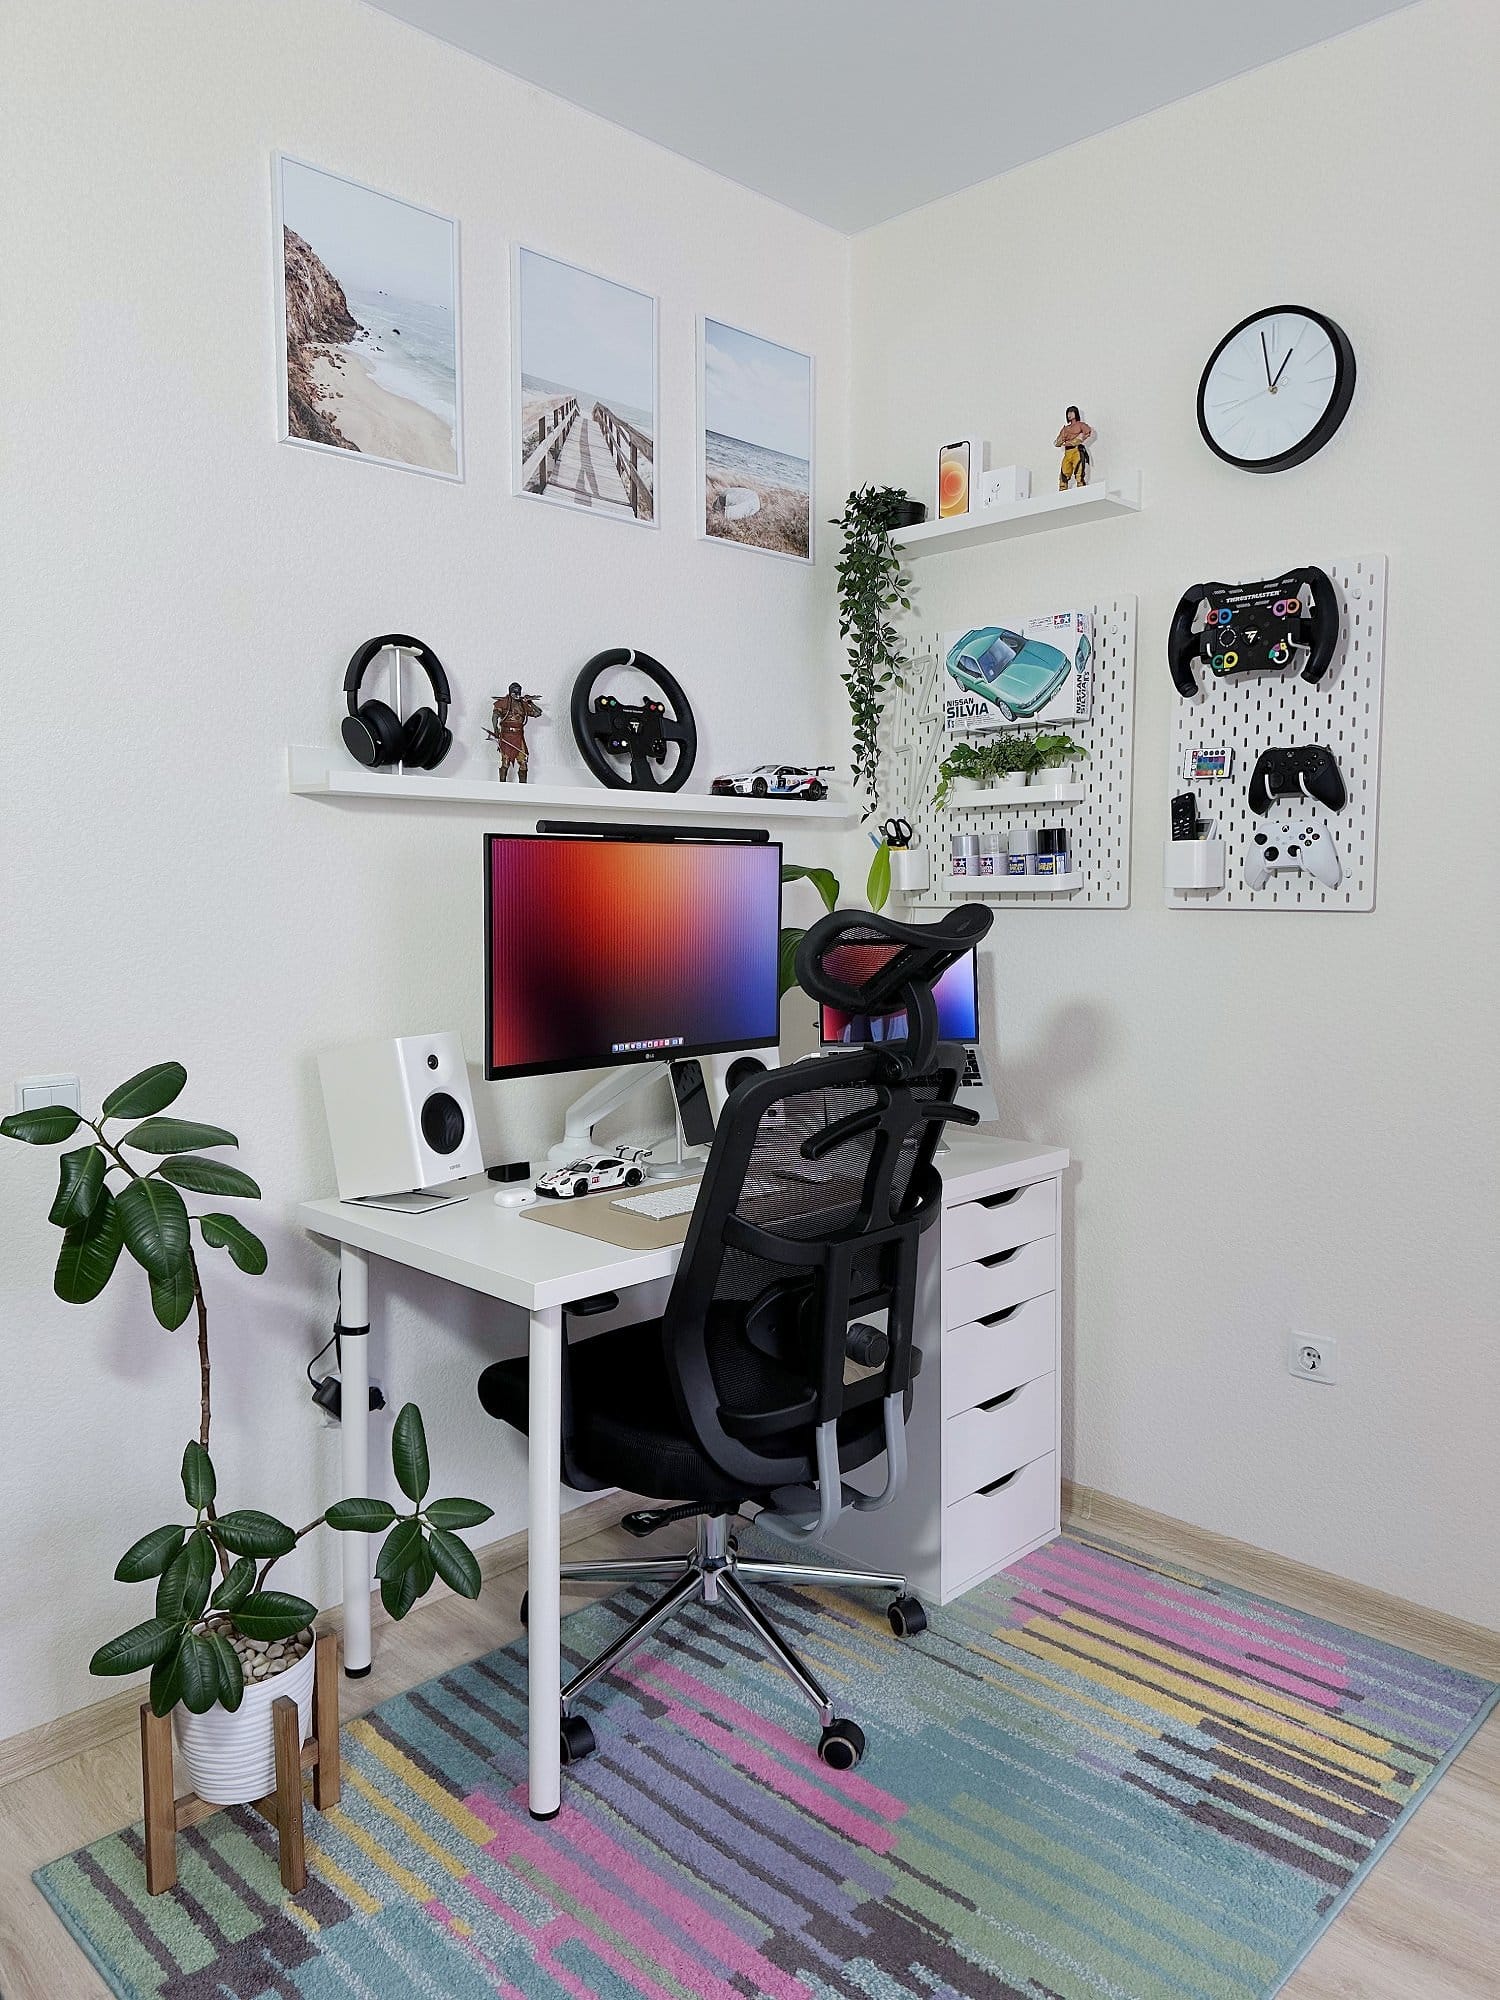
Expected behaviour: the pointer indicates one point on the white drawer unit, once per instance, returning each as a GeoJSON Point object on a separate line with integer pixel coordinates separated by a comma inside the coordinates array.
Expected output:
{"type": "Point", "coordinates": [984, 1437]}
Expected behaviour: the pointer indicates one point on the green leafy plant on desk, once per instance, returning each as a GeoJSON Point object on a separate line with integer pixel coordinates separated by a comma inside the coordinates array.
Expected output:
{"type": "Point", "coordinates": [1004, 756]}
{"type": "Point", "coordinates": [215, 1617]}
{"type": "Point", "coordinates": [877, 890]}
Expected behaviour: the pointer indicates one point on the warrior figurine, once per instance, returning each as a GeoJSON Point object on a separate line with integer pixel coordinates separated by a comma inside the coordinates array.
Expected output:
{"type": "Point", "coordinates": [507, 730]}
{"type": "Point", "coordinates": [1073, 441]}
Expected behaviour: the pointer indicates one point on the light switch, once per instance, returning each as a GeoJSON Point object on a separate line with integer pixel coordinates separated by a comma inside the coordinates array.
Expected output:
{"type": "Point", "coordinates": [32, 1092]}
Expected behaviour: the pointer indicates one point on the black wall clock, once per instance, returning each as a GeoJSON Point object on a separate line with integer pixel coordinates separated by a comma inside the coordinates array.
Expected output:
{"type": "Point", "coordinates": [1276, 388]}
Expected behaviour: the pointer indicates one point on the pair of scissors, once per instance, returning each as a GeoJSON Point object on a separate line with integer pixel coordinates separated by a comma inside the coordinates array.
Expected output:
{"type": "Point", "coordinates": [897, 832]}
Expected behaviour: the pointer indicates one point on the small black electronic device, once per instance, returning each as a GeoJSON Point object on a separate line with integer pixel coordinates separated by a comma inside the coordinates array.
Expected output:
{"type": "Point", "coordinates": [1255, 628]}
{"type": "Point", "coordinates": [1185, 816]}
{"type": "Point", "coordinates": [741, 1070]}
{"type": "Point", "coordinates": [642, 732]}
{"type": "Point", "coordinates": [510, 1170]}
{"type": "Point", "coordinates": [694, 1111]}
{"type": "Point", "coordinates": [373, 733]}
{"type": "Point", "coordinates": [1310, 769]}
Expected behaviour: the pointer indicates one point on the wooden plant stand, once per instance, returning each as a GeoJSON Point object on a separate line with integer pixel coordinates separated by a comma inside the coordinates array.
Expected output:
{"type": "Point", "coordinates": [167, 1815]}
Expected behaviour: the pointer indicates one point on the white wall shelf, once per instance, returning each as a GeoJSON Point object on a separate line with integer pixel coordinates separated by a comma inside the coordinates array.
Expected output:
{"type": "Point", "coordinates": [1015, 885]}
{"type": "Point", "coordinates": [1022, 517]}
{"type": "Point", "coordinates": [326, 774]}
{"type": "Point", "coordinates": [1027, 795]}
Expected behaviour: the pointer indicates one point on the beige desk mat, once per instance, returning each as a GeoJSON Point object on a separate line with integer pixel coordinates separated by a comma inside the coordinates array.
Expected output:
{"type": "Point", "coordinates": [594, 1215]}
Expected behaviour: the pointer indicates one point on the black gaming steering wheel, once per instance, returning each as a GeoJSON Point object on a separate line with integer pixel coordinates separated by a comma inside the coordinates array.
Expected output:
{"type": "Point", "coordinates": [605, 727]}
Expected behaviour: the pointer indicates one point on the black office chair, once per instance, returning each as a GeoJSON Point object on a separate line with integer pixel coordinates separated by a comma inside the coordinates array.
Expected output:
{"type": "Point", "coordinates": [763, 1383]}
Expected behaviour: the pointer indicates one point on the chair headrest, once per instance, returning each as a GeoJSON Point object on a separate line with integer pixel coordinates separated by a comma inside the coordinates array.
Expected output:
{"type": "Point", "coordinates": [866, 963]}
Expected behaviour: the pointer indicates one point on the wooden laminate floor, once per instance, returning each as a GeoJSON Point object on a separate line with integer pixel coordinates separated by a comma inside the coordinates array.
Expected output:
{"type": "Point", "coordinates": [1424, 1926]}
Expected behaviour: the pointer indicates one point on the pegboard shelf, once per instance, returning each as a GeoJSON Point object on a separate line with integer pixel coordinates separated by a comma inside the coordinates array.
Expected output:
{"type": "Point", "coordinates": [1017, 885]}
{"type": "Point", "coordinates": [1022, 517]}
{"type": "Point", "coordinates": [1021, 795]}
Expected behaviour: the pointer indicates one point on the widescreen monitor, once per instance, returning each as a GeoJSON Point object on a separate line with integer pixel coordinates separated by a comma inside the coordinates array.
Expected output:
{"type": "Point", "coordinates": [957, 996]}
{"type": "Point", "coordinates": [603, 951]}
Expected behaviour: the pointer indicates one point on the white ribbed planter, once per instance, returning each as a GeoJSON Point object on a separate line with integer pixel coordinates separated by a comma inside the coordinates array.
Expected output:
{"type": "Point", "coordinates": [231, 1759]}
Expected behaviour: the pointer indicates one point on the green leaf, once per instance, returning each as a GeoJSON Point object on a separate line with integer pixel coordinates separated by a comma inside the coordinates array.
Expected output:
{"type": "Point", "coordinates": [455, 1563]}
{"type": "Point", "coordinates": [274, 1614]}
{"type": "Point", "coordinates": [176, 1135]}
{"type": "Point", "coordinates": [155, 1225]}
{"type": "Point", "coordinates": [151, 1554]}
{"type": "Point", "coordinates": [399, 1593]}
{"type": "Point", "coordinates": [172, 1297]}
{"type": "Point", "coordinates": [141, 1646]}
{"type": "Point", "coordinates": [200, 1176]}
{"type": "Point", "coordinates": [80, 1183]}
{"type": "Point", "coordinates": [166, 1678]}
{"type": "Point", "coordinates": [227, 1232]}
{"type": "Point", "coordinates": [400, 1548]}
{"type": "Point", "coordinates": [228, 1668]}
{"type": "Point", "coordinates": [246, 1532]}
{"type": "Point", "coordinates": [236, 1587]}
{"type": "Point", "coordinates": [360, 1516]}
{"type": "Point", "coordinates": [787, 960]}
{"type": "Point", "coordinates": [47, 1125]}
{"type": "Point", "coordinates": [183, 1590]}
{"type": "Point", "coordinates": [199, 1670]}
{"type": "Point", "coordinates": [457, 1513]}
{"type": "Point", "coordinates": [198, 1480]}
{"type": "Point", "coordinates": [86, 1262]}
{"type": "Point", "coordinates": [147, 1091]}
{"type": "Point", "coordinates": [878, 887]}
{"type": "Point", "coordinates": [409, 1453]}
{"type": "Point", "coordinates": [823, 880]}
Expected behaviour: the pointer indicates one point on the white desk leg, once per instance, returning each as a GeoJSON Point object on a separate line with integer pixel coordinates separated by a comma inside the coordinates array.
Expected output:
{"type": "Point", "coordinates": [544, 1557]}
{"type": "Point", "coordinates": [354, 1429]}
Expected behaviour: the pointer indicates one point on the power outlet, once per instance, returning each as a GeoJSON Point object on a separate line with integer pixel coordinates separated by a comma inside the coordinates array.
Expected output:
{"type": "Point", "coordinates": [1312, 1357]}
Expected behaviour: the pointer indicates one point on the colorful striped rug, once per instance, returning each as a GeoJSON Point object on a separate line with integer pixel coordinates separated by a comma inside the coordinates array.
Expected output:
{"type": "Point", "coordinates": [1096, 1778]}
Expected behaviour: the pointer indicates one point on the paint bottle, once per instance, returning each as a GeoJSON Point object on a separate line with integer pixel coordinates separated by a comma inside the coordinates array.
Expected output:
{"type": "Point", "coordinates": [992, 854]}
{"type": "Point", "coordinates": [960, 854]}
{"type": "Point", "coordinates": [1021, 853]}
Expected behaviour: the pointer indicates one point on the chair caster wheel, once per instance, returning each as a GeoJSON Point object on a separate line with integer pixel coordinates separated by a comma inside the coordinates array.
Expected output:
{"type": "Point", "coordinates": [842, 1744]}
{"type": "Point", "coordinates": [907, 1618]}
{"type": "Point", "coordinates": [577, 1740]}
{"type": "Point", "coordinates": [525, 1609]}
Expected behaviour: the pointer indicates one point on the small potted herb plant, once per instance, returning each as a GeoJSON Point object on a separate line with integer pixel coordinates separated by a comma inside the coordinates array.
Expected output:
{"type": "Point", "coordinates": [1059, 757]}
{"type": "Point", "coordinates": [221, 1643]}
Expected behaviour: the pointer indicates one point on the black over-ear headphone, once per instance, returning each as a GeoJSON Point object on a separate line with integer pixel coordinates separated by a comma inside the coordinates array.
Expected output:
{"type": "Point", "coordinates": [373, 732]}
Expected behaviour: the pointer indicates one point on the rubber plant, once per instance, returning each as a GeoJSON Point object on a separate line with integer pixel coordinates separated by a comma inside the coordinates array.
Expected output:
{"type": "Point", "coordinates": [873, 584]}
{"type": "Point", "coordinates": [122, 1191]}
{"type": "Point", "coordinates": [877, 889]}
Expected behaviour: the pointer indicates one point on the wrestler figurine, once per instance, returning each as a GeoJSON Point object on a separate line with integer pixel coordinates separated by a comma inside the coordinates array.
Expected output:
{"type": "Point", "coordinates": [507, 730]}
{"type": "Point", "coordinates": [1073, 442]}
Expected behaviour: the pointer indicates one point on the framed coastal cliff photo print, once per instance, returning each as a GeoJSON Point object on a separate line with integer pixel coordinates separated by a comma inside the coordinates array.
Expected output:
{"type": "Point", "coordinates": [583, 390]}
{"type": "Point", "coordinates": [755, 441]}
{"type": "Point", "coordinates": [367, 301]}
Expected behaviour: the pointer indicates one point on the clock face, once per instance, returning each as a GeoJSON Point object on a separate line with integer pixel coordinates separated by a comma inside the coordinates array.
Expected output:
{"type": "Point", "coordinates": [1276, 389]}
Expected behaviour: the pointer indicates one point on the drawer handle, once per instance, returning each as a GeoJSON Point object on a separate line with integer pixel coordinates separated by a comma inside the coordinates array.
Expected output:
{"type": "Point", "coordinates": [1000, 1200]}
{"type": "Point", "coordinates": [1000, 1257]}
{"type": "Point", "coordinates": [995, 1401]}
{"type": "Point", "coordinates": [996, 1484]}
{"type": "Point", "coordinates": [1005, 1312]}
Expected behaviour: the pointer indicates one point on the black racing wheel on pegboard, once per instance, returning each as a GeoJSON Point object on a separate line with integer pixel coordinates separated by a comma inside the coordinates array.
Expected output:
{"type": "Point", "coordinates": [644, 733]}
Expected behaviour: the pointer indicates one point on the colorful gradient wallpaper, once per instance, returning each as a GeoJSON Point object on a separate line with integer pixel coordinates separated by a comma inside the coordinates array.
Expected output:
{"type": "Point", "coordinates": [610, 951]}
{"type": "Point", "coordinates": [957, 999]}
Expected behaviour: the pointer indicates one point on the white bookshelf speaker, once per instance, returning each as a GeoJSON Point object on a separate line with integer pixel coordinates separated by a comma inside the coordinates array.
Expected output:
{"type": "Point", "coordinates": [400, 1114]}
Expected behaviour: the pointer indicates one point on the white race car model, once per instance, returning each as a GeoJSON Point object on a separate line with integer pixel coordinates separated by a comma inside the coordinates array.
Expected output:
{"type": "Point", "coordinates": [774, 781]}
{"type": "Point", "coordinates": [592, 1171]}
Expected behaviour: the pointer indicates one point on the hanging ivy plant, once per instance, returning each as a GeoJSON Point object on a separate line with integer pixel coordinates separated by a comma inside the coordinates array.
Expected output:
{"type": "Point", "coordinates": [872, 586]}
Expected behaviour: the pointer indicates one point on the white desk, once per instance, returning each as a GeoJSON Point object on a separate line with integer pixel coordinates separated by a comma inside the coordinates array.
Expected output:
{"type": "Point", "coordinates": [496, 1252]}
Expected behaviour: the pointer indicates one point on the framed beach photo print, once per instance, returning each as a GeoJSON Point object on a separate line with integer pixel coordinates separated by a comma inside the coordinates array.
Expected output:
{"type": "Point", "coordinates": [367, 306]}
{"type": "Point", "coordinates": [755, 441]}
{"type": "Point", "coordinates": [583, 390]}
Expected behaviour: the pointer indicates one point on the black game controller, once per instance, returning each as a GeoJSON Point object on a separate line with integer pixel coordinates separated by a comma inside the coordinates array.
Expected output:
{"type": "Point", "coordinates": [1310, 770]}
{"type": "Point", "coordinates": [1255, 628]}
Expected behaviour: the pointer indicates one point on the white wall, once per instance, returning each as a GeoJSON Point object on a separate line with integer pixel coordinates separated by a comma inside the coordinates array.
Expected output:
{"type": "Point", "coordinates": [1281, 1120]}
{"type": "Point", "coordinates": [181, 595]}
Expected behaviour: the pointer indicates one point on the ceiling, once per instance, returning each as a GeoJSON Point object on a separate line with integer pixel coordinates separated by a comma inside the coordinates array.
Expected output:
{"type": "Point", "coordinates": [853, 111]}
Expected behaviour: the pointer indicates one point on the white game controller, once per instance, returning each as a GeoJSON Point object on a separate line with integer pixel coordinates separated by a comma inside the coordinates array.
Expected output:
{"type": "Point", "coordinates": [1285, 846]}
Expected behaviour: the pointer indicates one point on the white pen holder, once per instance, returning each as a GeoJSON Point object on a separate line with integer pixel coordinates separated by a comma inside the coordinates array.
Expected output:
{"type": "Point", "coordinates": [911, 870]}
{"type": "Point", "coordinates": [1193, 864]}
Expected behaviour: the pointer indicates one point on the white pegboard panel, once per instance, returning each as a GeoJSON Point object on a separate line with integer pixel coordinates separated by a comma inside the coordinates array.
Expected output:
{"type": "Point", "coordinates": [1098, 824]}
{"type": "Point", "coordinates": [1256, 712]}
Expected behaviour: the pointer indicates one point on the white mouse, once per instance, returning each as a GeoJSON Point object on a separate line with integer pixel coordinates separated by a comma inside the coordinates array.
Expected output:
{"type": "Point", "coordinates": [516, 1195]}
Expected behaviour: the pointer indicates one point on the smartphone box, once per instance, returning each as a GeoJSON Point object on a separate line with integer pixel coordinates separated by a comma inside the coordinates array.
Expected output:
{"type": "Point", "coordinates": [960, 467]}
{"type": "Point", "coordinates": [1004, 486]}
{"type": "Point", "coordinates": [1017, 672]}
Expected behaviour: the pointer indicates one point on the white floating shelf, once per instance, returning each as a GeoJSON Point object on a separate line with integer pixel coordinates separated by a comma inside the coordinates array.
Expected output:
{"type": "Point", "coordinates": [324, 774]}
{"type": "Point", "coordinates": [1022, 517]}
{"type": "Point", "coordinates": [1029, 795]}
{"type": "Point", "coordinates": [1015, 885]}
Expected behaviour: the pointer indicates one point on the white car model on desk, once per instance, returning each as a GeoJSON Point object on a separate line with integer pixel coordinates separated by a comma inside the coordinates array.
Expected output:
{"type": "Point", "coordinates": [774, 781]}
{"type": "Point", "coordinates": [591, 1172]}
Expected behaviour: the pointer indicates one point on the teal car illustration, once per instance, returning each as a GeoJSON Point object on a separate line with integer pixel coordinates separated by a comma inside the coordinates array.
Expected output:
{"type": "Point", "coordinates": [1015, 675]}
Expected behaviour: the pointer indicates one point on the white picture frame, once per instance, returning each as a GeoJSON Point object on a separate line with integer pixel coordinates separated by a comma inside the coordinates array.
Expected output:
{"type": "Point", "coordinates": [576, 322]}
{"type": "Point", "coordinates": [782, 407]}
{"type": "Point", "coordinates": [399, 430]}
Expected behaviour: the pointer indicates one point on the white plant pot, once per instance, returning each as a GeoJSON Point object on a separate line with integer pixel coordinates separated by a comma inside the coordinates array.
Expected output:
{"type": "Point", "coordinates": [1057, 774]}
{"type": "Point", "coordinates": [964, 788]}
{"type": "Point", "coordinates": [231, 1759]}
{"type": "Point", "coordinates": [1012, 781]}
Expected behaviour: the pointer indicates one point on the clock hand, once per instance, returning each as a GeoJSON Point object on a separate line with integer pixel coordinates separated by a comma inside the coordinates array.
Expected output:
{"type": "Point", "coordinates": [1265, 353]}
{"type": "Point", "coordinates": [1289, 353]}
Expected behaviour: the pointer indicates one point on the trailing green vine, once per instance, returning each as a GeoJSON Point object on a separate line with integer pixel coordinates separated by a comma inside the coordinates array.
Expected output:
{"type": "Point", "coordinates": [872, 585]}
